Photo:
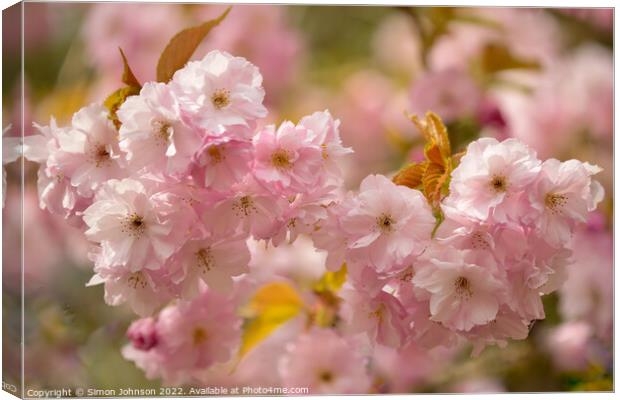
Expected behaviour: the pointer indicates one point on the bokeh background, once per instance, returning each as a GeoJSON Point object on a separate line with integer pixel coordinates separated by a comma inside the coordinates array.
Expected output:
{"type": "Point", "coordinates": [544, 76]}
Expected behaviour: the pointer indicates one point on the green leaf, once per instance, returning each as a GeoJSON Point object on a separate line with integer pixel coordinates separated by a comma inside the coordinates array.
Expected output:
{"type": "Point", "coordinates": [181, 47]}
{"type": "Point", "coordinates": [128, 77]}
{"type": "Point", "coordinates": [271, 306]}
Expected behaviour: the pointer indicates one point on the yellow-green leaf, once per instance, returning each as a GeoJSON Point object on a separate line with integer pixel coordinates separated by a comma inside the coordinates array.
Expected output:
{"type": "Point", "coordinates": [271, 306]}
{"type": "Point", "coordinates": [128, 77]}
{"type": "Point", "coordinates": [332, 281]}
{"type": "Point", "coordinates": [116, 99]}
{"type": "Point", "coordinates": [181, 47]}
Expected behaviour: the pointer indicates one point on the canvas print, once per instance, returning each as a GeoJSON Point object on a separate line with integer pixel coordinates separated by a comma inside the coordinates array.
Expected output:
{"type": "Point", "coordinates": [233, 200]}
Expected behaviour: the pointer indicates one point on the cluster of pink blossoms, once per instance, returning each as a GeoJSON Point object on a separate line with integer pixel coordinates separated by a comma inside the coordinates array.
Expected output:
{"type": "Point", "coordinates": [175, 199]}
{"type": "Point", "coordinates": [172, 196]}
{"type": "Point", "coordinates": [480, 276]}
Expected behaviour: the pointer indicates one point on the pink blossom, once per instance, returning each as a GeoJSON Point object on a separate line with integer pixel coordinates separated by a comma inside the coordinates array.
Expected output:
{"type": "Point", "coordinates": [464, 291]}
{"type": "Point", "coordinates": [286, 159]}
{"type": "Point", "coordinates": [144, 290]}
{"type": "Point", "coordinates": [562, 195]}
{"type": "Point", "coordinates": [152, 134]}
{"type": "Point", "coordinates": [381, 316]}
{"type": "Point", "coordinates": [219, 91]}
{"type": "Point", "coordinates": [88, 152]}
{"type": "Point", "coordinates": [143, 334]}
{"type": "Point", "coordinates": [221, 164]}
{"type": "Point", "coordinates": [250, 209]}
{"type": "Point", "coordinates": [133, 226]}
{"type": "Point", "coordinates": [214, 261]}
{"type": "Point", "coordinates": [387, 223]}
{"type": "Point", "coordinates": [491, 177]}
{"type": "Point", "coordinates": [192, 336]}
{"type": "Point", "coordinates": [325, 133]}
{"type": "Point", "coordinates": [325, 363]}
{"type": "Point", "coordinates": [56, 194]}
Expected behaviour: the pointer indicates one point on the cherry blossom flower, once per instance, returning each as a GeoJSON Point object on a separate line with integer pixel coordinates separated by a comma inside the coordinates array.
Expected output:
{"type": "Point", "coordinates": [325, 133]}
{"type": "Point", "coordinates": [325, 363]}
{"type": "Point", "coordinates": [218, 91]}
{"type": "Point", "coordinates": [56, 194]}
{"type": "Point", "coordinates": [250, 209]}
{"type": "Point", "coordinates": [563, 194]}
{"type": "Point", "coordinates": [152, 134]}
{"type": "Point", "coordinates": [88, 152]}
{"type": "Point", "coordinates": [387, 222]}
{"type": "Point", "coordinates": [143, 334]}
{"type": "Point", "coordinates": [490, 178]}
{"type": "Point", "coordinates": [131, 225]}
{"type": "Point", "coordinates": [192, 336]}
{"type": "Point", "coordinates": [463, 292]}
{"type": "Point", "coordinates": [144, 290]}
{"type": "Point", "coordinates": [286, 159]}
{"type": "Point", "coordinates": [382, 317]}
{"type": "Point", "coordinates": [221, 164]}
{"type": "Point", "coordinates": [214, 261]}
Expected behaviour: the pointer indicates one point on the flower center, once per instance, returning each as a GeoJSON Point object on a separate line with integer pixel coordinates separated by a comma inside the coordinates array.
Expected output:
{"type": "Point", "coordinates": [220, 98]}
{"type": "Point", "coordinates": [199, 336]}
{"type": "Point", "coordinates": [215, 154]}
{"type": "Point", "coordinates": [385, 223]}
{"type": "Point", "coordinates": [133, 225]}
{"type": "Point", "coordinates": [136, 280]}
{"type": "Point", "coordinates": [205, 260]}
{"type": "Point", "coordinates": [244, 206]}
{"type": "Point", "coordinates": [377, 313]}
{"type": "Point", "coordinates": [498, 183]}
{"type": "Point", "coordinates": [478, 241]}
{"type": "Point", "coordinates": [281, 159]}
{"type": "Point", "coordinates": [462, 287]}
{"type": "Point", "coordinates": [324, 152]}
{"type": "Point", "coordinates": [326, 376]}
{"type": "Point", "coordinates": [100, 155]}
{"type": "Point", "coordinates": [162, 131]}
{"type": "Point", "coordinates": [555, 202]}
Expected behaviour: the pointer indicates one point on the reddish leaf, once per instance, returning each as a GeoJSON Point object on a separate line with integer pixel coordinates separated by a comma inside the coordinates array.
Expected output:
{"type": "Point", "coordinates": [181, 47]}
{"type": "Point", "coordinates": [128, 77]}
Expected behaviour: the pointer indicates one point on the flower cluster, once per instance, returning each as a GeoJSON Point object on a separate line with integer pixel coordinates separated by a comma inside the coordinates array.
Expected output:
{"type": "Point", "coordinates": [176, 188]}
{"type": "Point", "coordinates": [171, 197]}
{"type": "Point", "coordinates": [480, 275]}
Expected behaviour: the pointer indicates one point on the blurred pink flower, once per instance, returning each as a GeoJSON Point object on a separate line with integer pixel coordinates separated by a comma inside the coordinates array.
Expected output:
{"type": "Point", "coordinates": [528, 33]}
{"type": "Point", "coordinates": [450, 93]}
{"type": "Point", "coordinates": [568, 343]}
{"type": "Point", "coordinates": [326, 363]}
{"type": "Point", "coordinates": [571, 96]}
{"type": "Point", "coordinates": [109, 26]}
{"type": "Point", "coordinates": [587, 294]}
